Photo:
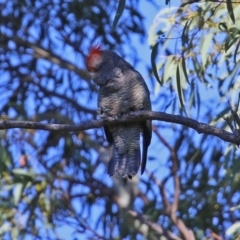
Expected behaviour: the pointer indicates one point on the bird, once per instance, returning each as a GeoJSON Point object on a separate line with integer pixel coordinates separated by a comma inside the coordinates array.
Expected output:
{"type": "Point", "coordinates": [121, 90]}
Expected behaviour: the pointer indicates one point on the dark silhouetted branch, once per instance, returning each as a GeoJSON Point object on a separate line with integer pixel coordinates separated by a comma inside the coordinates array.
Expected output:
{"type": "Point", "coordinates": [131, 117]}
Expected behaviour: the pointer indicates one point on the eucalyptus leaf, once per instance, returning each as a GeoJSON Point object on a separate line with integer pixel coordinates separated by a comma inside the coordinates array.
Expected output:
{"type": "Point", "coordinates": [17, 193]}
{"type": "Point", "coordinates": [185, 69]}
{"type": "Point", "coordinates": [236, 51]}
{"type": "Point", "coordinates": [233, 229]}
{"type": "Point", "coordinates": [230, 10]}
{"type": "Point", "coordinates": [119, 13]}
{"type": "Point", "coordinates": [179, 89]}
{"type": "Point", "coordinates": [206, 41]}
{"type": "Point", "coordinates": [153, 58]}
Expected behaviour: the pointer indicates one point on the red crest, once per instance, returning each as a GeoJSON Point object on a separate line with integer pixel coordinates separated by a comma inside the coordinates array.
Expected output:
{"type": "Point", "coordinates": [95, 51]}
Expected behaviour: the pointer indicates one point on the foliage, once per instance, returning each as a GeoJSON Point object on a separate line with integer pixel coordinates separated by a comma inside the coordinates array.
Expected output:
{"type": "Point", "coordinates": [54, 183]}
{"type": "Point", "coordinates": [198, 59]}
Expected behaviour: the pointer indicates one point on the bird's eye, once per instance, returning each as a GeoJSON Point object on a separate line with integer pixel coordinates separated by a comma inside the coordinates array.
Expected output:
{"type": "Point", "coordinates": [95, 69]}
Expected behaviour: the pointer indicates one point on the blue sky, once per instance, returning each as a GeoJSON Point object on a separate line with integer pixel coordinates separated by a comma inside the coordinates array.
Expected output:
{"type": "Point", "coordinates": [149, 11]}
{"type": "Point", "coordinates": [144, 53]}
{"type": "Point", "coordinates": [156, 149]}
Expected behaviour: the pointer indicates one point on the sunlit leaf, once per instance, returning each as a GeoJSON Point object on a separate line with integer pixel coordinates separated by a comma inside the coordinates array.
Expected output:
{"type": "Point", "coordinates": [205, 46]}
{"type": "Point", "coordinates": [5, 227]}
{"type": "Point", "coordinates": [235, 208]}
{"type": "Point", "coordinates": [179, 89]}
{"type": "Point", "coordinates": [184, 69]}
{"type": "Point", "coordinates": [15, 233]}
{"type": "Point", "coordinates": [17, 192]}
{"type": "Point", "coordinates": [169, 68]}
{"type": "Point", "coordinates": [22, 172]}
{"type": "Point", "coordinates": [233, 229]}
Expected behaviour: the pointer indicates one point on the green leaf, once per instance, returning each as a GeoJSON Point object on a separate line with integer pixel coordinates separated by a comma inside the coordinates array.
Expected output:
{"type": "Point", "coordinates": [169, 68]}
{"type": "Point", "coordinates": [15, 233]}
{"type": "Point", "coordinates": [235, 208]}
{"type": "Point", "coordinates": [229, 42]}
{"type": "Point", "coordinates": [154, 67]}
{"type": "Point", "coordinates": [22, 176]}
{"type": "Point", "coordinates": [5, 228]}
{"type": "Point", "coordinates": [236, 51]}
{"type": "Point", "coordinates": [234, 32]}
{"type": "Point", "coordinates": [17, 193]}
{"type": "Point", "coordinates": [185, 69]}
{"type": "Point", "coordinates": [233, 229]}
{"type": "Point", "coordinates": [22, 172]}
{"type": "Point", "coordinates": [223, 26]}
{"type": "Point", "coordinates": [179, 89]}
{"type": "Point", "coordinates": [230, 10]}
{"type": "Point", "coordinates": [205, 46]}
{"type": "Point", "coordinates": [198, 101]}
{"type": "Point", "coordinates": [120, 10]}
{"type": "Point", "coordinates": [185, 34]}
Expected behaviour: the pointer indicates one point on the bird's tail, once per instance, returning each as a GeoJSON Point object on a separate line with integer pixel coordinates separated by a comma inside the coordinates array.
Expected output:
{"type": "Point", "coordinates": [124, 165]}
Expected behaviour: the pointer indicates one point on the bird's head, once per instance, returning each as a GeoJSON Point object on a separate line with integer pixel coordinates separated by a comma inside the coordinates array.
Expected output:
{"type": "Point", "coordinates": [103, 65]}
{"type": "Point", "coordinates": [94, 60]}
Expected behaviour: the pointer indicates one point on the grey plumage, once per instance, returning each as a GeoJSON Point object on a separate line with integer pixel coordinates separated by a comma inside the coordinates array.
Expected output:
{"type": "Point", "coordinates": [121, 90]}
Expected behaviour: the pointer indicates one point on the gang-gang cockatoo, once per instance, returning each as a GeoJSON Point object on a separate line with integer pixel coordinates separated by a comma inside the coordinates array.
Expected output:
{"type": "Point", "coordinates": [122, 89]}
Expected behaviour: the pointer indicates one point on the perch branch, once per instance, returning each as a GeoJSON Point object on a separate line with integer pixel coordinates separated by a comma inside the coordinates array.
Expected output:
{"type": "Point", "coordinates": [131, 117]}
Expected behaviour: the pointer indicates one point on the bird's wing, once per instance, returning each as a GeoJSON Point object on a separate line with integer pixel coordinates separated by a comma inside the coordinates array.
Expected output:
{"type": "Point", "coordinates": [109, 135]}
{"type": "Point", "coordinates": [147, 136]}
{"type": "Point", "coordinates": [146, 125]}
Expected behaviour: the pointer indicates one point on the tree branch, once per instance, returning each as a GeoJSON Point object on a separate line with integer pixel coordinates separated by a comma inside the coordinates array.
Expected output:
{"type": "Point", "coordinates": [171, 209]}
{"type": "Point", "coordinates": [154, 226]}
{"type": "Point", "coordinates": [40, 52]}
{"type": "Point", "coordinates": [174, 159]}
{"type": "Point", "coordinates": [131, 117]}
{"type": "Point", "coordinates": [205, 1]}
